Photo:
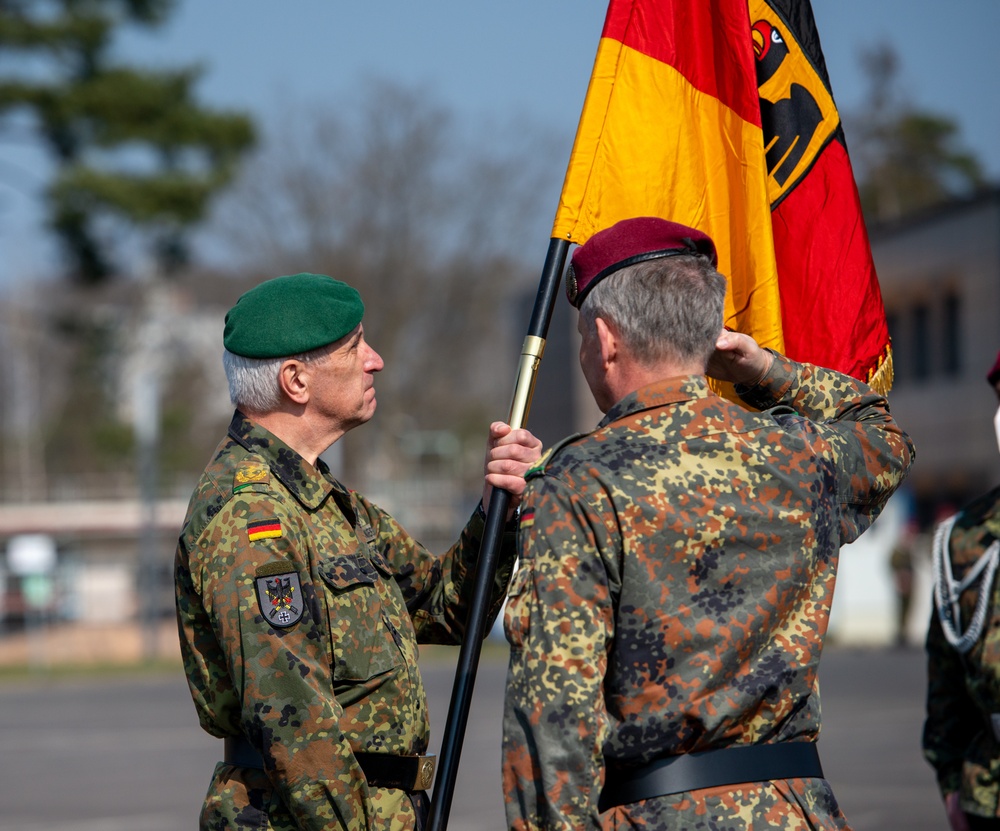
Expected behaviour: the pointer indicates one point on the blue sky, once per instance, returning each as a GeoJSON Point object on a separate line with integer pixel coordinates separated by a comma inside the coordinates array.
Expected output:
{"type": "Point", "coordinates": [520, 58]}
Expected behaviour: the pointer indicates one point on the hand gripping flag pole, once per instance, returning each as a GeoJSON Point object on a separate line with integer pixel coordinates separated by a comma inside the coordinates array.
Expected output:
{"type": "Point", "coordinates": [486, 566]}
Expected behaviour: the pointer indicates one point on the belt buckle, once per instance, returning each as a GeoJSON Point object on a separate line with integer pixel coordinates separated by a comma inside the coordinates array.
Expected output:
{"type": "Point", "coordinates": [425, 773]}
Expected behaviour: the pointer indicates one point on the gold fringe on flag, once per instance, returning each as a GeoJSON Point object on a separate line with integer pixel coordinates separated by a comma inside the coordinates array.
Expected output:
{"type": "Point", "coordinates": [880, 378]}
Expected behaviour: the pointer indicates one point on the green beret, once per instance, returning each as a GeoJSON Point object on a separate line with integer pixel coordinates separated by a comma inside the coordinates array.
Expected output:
{"type": "Point", "coordinates": [290, 315]}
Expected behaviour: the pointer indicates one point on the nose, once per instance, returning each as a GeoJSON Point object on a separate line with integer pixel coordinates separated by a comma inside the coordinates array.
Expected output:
{"type": "Point", "coordinates": [374, 362]}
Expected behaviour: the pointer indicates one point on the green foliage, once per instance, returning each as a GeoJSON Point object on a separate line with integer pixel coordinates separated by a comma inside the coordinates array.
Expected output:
{"type": "Point", "coordinates": [113, 442]}
{"type": "Point", "coordinates": [134, 148]}
{"type": "Point", "coordinates": [166, 196]}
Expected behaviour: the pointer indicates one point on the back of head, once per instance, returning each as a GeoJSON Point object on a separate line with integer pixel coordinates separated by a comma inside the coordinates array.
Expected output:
{"type": "Point", "coordinates": [656, 282]}
{"type": "Point", "coordinates": [294, 316]}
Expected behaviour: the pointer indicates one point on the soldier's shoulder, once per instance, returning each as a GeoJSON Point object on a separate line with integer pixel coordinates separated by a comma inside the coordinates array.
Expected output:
{"type": "Point", "coordinates": [982, 510]}
{"type": "Point", "coordinates": [989, 502]}
{"type": "Point", "coordinates": [560, 453]}
{"type": "Point", "coordinates": [235, 480]}
{"type": "Point", "coordinates": [251, 474]}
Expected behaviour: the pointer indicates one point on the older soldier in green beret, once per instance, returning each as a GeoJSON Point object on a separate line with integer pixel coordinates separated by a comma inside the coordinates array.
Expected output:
{"type": "Point", "coordinates": [300, 603]}
{"type": "Point", "coordinates": [677, 563]}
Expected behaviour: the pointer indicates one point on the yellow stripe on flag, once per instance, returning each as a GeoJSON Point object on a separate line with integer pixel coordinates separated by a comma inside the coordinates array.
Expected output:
{"type": "Point", "coordinates": [650, 144]}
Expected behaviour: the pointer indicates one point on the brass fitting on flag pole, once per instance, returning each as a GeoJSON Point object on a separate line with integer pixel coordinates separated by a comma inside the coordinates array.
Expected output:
{"type": "Point", "coordinates": [531, 355]}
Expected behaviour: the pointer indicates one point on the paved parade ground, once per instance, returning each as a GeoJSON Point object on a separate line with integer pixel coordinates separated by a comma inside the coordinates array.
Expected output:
{"type": "Point", "coordinates": [123, 751]}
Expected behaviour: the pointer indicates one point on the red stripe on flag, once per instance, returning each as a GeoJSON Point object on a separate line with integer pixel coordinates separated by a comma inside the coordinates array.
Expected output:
{"type": "Point", "coordinates": [836, 318]}
{"type": "Point", "coordinates": [674, 34]}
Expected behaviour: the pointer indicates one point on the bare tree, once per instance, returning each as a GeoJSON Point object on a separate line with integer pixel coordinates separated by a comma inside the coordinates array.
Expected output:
{"type": "Point", "coordinates": [906, 158]}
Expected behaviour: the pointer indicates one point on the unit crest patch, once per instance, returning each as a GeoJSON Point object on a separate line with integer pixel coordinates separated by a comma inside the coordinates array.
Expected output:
{"type": "Point", "coordinates": [279, 594]}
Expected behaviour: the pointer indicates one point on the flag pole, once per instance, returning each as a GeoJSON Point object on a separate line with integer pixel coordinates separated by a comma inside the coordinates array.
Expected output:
{"type": "Point", "coordinates": [486, 565]}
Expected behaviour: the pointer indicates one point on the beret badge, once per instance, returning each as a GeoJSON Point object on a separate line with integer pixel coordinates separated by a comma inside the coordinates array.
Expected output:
{"type": "Point", "coordinates": [572, 289]}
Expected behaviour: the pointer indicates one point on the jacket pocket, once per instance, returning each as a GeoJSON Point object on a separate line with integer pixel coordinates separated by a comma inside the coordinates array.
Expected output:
{"type": "Point", "coordinates": [517, 612]}
{"type": "Point", "coordinates": [363, 646]}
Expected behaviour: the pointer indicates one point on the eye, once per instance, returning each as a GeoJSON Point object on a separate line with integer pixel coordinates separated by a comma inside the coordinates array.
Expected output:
{"type": "Point", "coordinates": [776, 36]}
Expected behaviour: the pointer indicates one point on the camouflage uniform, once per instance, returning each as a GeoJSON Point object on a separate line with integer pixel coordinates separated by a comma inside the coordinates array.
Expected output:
{"type": "Point", "coordinates": [677, 568]}
{"type": "Point", "coordinates": [300, 604]}
{"type": "Point", "coordinates": [963, 692]}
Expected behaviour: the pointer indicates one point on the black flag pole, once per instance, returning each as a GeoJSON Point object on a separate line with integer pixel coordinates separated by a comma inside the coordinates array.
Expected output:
{"type": "Point", "coordinates": [486, 566]}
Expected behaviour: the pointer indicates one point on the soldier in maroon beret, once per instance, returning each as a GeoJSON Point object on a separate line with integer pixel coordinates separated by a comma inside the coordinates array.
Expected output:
{"type": "Point", "coordinates": [677, 563]}
{"type": "Point", "coordinates": [962, 731]}
{"type": "Point", "coordinates": [630, 242]}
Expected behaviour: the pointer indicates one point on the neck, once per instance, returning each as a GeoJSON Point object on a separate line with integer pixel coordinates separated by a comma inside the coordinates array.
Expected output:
{"type": "Point", "coordinates": [298, 431]}
{"type": "Point", "coordinates": [631, 375]}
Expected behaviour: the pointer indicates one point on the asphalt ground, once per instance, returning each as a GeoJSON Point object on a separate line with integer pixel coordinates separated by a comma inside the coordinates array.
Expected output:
{"type": "Point", "coordinates": [123, 751]}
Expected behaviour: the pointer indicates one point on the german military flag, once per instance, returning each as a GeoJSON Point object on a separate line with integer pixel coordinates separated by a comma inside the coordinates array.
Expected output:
{"type": "Point", "coordinates": [832, 309]}
{"type": "Point", "coordinates": [718, 114]}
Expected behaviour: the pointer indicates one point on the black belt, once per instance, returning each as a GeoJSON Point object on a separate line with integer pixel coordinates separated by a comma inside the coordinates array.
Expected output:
{"type": "Point", "coordinates": [710, 769]}
{"type": "Point", "coordinates": [382, 770]}
{"type": "Point", "coordinates": [410, 773]}
{"type": "Point", "coordinates": [239, 752]}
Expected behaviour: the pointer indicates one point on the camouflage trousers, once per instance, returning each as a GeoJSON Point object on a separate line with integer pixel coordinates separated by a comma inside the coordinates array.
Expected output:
{"type": "Point", "coordinates": [243, 799]}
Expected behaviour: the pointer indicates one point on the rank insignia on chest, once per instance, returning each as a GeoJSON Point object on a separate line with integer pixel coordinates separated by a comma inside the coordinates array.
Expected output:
{"type": "Point", "coordinates": [368, 532]}
{"type": "Point", "coordinates": [279, 596]}
{"type": "Point", "coordinates": [264, 529]}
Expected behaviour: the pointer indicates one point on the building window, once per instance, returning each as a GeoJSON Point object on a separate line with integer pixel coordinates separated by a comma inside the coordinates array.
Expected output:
{"type": "Point", "coordinates": [921, 343]}
{"type": "Point", "coordinates": [951, 345]}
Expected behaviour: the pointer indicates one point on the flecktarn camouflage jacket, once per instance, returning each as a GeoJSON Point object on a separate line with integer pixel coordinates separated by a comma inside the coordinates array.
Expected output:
{"type": "Point", "coordinates": [300, 605]}
{"type": "Point", "coordinates": [676, 574]}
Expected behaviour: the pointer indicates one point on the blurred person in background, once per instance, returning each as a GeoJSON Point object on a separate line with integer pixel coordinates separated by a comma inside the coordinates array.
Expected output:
{"type": "Point", "coordinates": [902, 566]}
{"type": "Point", "coordinates": [962, 731]}
{"type": "Point", "coordinates": [677, 564]}
{"type": "Point", "coordinates": [299, 602]}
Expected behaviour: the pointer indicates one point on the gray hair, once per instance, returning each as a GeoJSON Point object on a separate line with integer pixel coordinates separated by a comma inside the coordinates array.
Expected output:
{"type": "Point", "coordinates": [665, 309]}
{"type": "Point", "coordinates": [253, 382]}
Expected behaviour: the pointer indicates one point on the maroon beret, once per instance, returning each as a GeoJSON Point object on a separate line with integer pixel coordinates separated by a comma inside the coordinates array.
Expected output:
{"type": "Point", "coordinates": [629, 242]}
{"type": "Point", "coordinates": [994, 374]}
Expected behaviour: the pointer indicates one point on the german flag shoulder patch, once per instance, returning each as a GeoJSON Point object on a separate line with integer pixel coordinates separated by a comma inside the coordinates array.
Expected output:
{"type": "Point", "coordinates": [264, 529]}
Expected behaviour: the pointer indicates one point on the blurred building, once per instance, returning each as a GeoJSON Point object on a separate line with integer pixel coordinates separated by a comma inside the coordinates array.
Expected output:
{"type": "Point", "coordinates": [939, 271]}
{"type": "Point", "coordinates": [940, 277]}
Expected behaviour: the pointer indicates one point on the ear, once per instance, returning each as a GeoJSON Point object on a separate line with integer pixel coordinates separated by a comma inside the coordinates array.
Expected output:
{"type": "Point", "coordinates": [293, 379]}
{"type": "Point", "coordinates": [607, 337]}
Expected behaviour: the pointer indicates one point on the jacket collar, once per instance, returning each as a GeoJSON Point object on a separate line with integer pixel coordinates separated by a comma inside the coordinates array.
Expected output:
{"type": "Point", "coordinates": [308, 484]}
{"type": "Point", "coordinates": [675, 390]}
